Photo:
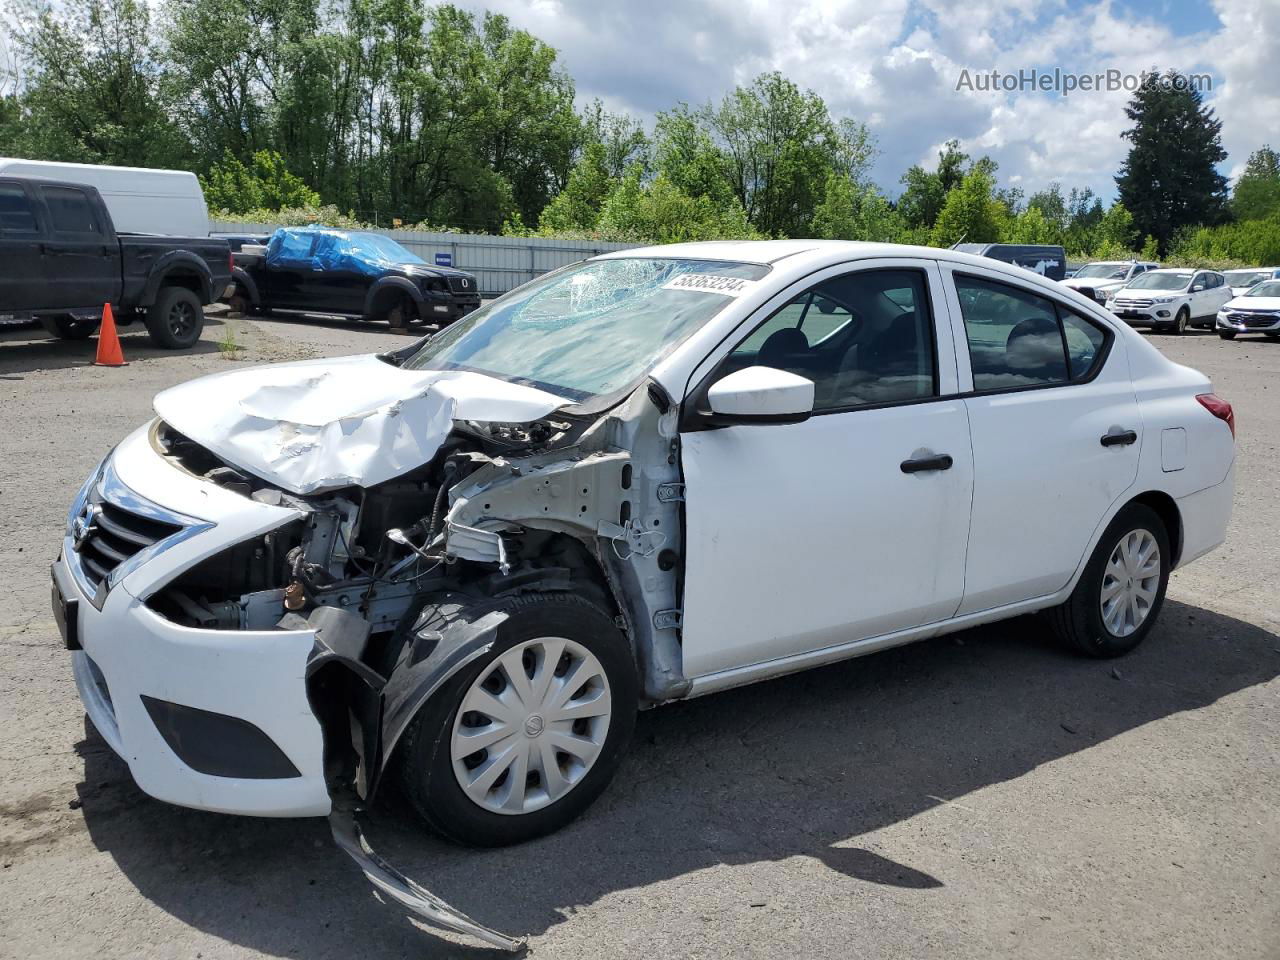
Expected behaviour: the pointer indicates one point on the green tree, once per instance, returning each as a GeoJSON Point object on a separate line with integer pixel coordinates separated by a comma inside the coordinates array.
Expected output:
{"type": "Point", "coordinates": [780, 144]}
{"type": "Point", "coordinates": [1170, 179]}
{"type": "Point", "coordinates": [851, 211]}
{"type": "Point", "coordinates": [926, 191]}
{"type": "Point", "coordinates": [1117, 230]}
{"type": "Point", "coordinates": [622, 137]}
{"type": "Point", "coordinates": [971, 213]}
{"type": "Point", "coordinates": [686, 155]}
{"type": "Point", "coordinates": [663, 213]}
{"type": "Point", "coordinates": [1257, 192]}
{"type": "Point", "coordinates": [264, 184]}
{"type": "Point", "coordinates": [577, 206]}
{"type": "Point", "coordinates": [92, 91]}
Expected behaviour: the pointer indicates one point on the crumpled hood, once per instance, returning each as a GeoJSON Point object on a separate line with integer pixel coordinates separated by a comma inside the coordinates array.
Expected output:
{"type": "Point", "coordinates": [323, 424]}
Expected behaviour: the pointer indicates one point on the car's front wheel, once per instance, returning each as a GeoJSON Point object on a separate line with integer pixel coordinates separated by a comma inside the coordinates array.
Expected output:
{"type": "Point", "coordinates": [1119, 595]}
{"type": "Point", "coordinates": [1227, 334]}
{"type": "Point", "coordinates": [522, 741]}
{"type": "Point", "coordinates": [1181, 320]}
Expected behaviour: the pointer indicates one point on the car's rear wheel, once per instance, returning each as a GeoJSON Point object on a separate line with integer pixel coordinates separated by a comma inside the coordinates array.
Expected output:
{"type": "Point", "coordinates": [1227, 334]}
{"type": "Point", "coordinates": [176, 319]}
{"type": "Point", "coordinates": [522, 741]}
{"type": "Point", "coordinates": [69, 328]}
{"type": "Point", "coordinates": [1120, 593]}
{"type": "Point", "coordinates": [239, 305]}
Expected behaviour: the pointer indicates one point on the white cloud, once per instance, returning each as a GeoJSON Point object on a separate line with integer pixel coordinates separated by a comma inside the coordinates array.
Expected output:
{"type": "Point", "coordinates": [895, 63]}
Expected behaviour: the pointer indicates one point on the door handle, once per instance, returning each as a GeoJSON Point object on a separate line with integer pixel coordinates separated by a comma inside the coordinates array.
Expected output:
{"type": "Point", "coordinates": [942, 461]}
{"type": "Point", "coordinates": [1120, 439]}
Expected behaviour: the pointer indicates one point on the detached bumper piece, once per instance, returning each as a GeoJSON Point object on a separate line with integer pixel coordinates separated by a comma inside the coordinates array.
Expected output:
{"type": "Point", "coordinates": [423, 903]}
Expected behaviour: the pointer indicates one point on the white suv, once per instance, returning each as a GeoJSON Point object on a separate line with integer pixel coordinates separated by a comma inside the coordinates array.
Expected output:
{"type": "Point", "coordinates": [1172, 299]}
{"type": "Point", "coordinates": [1100, 280]}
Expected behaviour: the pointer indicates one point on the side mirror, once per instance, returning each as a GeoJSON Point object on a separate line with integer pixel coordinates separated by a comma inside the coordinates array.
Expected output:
{"type": "Point", "coordinates": [1197, 287]}
{"type": "Point", "coordinates": [760, 395]}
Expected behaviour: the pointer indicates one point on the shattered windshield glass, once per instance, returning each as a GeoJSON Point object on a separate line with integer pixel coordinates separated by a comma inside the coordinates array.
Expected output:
{"type": "Point", "coordinates": [592, 328]}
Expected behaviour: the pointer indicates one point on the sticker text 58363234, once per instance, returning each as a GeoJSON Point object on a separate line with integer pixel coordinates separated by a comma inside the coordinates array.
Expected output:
{"type": "Point", "coordinates": [710, 283]}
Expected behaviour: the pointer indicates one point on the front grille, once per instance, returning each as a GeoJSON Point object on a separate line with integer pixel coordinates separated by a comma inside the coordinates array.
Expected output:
{"type": "Point", "coordinates": [1133, 304]}
{"type": "Point", "coordinates": [112, 536]}
{"type": "Point", "coordinates": [462, 284]}
{"type": "Point", "coordinates": [1250, 319]}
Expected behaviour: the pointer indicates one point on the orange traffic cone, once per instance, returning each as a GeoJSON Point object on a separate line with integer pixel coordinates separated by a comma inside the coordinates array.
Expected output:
{"type": "Point", "coordinates": [109, 352]}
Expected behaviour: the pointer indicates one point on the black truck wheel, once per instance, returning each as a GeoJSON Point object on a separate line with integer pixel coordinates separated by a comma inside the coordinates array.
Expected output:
{"type": "Point", "coordinates": [175, 319]}
{"type": "Point", "coordinates": [69, 328]}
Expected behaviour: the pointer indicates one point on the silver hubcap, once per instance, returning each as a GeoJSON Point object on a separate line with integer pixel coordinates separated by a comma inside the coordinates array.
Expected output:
{"type": "Point", "coordinates": [1130, 582]}
{"type": "Point", "coordinates": [531, 725]}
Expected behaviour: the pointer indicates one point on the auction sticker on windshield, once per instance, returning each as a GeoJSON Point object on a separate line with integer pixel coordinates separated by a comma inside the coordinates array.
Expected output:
{"type": "Point", "coordinates": [710, 283]}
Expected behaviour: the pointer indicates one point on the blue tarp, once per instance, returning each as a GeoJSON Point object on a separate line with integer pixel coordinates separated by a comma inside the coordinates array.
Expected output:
{"type": "Point", "coordinates": [317, 248]}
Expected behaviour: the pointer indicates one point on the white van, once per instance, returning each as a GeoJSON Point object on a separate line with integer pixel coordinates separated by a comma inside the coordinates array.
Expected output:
{"type": "Point", "coordinates": [140, 200]}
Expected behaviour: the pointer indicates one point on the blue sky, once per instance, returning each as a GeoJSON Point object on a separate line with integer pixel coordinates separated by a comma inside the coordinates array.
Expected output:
{"type": "Point", "coordinates": [895, 64]}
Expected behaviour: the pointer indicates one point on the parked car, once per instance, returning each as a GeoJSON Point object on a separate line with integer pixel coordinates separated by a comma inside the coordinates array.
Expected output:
{"type": "Point", "coordinates": [139, 199]}
{"type": "Point", "coordinates": [1257, 311]}
{"type": "Point", "coordinates": [64, 259]}
{"type": "Point", "coordinates": [349, 273]}
{"type": "Point", "coordinates": [1241, 280]}
{"type": "Point", "coordinates": [1048, 260]}
{"type": "Point", "coordinates": [1101, 279]}
{"type": "Point", "coordinates": [648, 476]}
{"type": "Point", "coordinates": [1172, 299]}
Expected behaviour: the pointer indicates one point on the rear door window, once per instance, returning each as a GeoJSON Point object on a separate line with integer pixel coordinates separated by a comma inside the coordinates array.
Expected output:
{"type": "Point", "coordinates": [1018, 339]}
{"type": "Point", "coordinates": [17, 214]}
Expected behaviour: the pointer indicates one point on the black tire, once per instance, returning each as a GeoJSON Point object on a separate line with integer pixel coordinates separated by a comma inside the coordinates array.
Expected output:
{"type": "Point", "coordinates": [1078, 620]}
{"type": "Point", "coordinates": [402, 312]}
{"type": "Point", "coordinates": [1180, 322]}
{"type": "Point", "coordinates": [1227, 334]}
{"type": "Point", "coordinates": [1272, 336]}
{"type": "Point", "coordinates": [69, 328]}
{"type": "Point", "coordinates": [239, 305]}
{"type": "Point", "coordinates": [176, 319]}
{"type": "Point", "coordinates": [424, 756]}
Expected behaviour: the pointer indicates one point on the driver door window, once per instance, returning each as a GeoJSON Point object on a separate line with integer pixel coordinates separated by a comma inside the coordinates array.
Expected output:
{"type": "Point", "coordinates": [864, 339]}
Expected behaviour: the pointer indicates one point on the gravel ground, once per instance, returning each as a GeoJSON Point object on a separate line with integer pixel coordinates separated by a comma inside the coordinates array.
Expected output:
{"type": "Point", "coordinates": [978, 795]}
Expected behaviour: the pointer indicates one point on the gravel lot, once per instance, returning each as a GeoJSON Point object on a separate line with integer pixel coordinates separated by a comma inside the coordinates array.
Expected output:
{"type": "Point", "coordinates": [977, 795]}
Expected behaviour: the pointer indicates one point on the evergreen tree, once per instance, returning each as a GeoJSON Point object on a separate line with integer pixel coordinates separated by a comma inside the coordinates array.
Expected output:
{"type": "Point", "coordinates": [1257, 192]}
{"type": "Point", "coordinates": [1170, 179]}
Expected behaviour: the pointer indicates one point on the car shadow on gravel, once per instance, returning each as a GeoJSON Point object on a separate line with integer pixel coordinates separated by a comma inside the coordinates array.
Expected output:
{"type": "Point", "coordinates": [800, 766]}
{"type": "Point", "coordinates": [28, 349]}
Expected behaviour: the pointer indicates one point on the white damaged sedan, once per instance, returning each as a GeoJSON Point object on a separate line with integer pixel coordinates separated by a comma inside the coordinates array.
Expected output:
{"type": "Point", "coordinates": [647, 476]}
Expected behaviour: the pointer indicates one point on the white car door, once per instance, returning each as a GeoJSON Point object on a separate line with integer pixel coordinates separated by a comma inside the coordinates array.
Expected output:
{"type": "Point", "coordinates": [1055, 431]}
{"type": "Point", "coordinates": [851, 524]}
{"type": "Point", "coordinates": [1202, 296]}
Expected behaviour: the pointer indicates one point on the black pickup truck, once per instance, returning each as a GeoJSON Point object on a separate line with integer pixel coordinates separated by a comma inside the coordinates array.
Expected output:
{"type": "Point", "coordinates": [346, 273]}
{"type": "Point", "coordinates": [61, 260]}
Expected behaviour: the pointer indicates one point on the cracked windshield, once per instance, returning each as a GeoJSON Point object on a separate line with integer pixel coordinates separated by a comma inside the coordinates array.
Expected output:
{"type": "Point", "coordinates": [590, 329]}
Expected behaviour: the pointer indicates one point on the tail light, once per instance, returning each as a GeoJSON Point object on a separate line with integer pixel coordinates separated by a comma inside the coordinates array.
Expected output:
{"type": "Point", "coordinates": [1219, 408]}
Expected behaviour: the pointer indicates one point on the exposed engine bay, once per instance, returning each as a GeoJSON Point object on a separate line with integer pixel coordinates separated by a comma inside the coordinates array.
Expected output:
{"type": "Point", "coordinates": [588, 505]}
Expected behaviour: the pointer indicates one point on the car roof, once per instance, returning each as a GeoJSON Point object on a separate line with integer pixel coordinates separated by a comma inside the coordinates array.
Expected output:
{"type": "Point", "coordinates": [815, 252]}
